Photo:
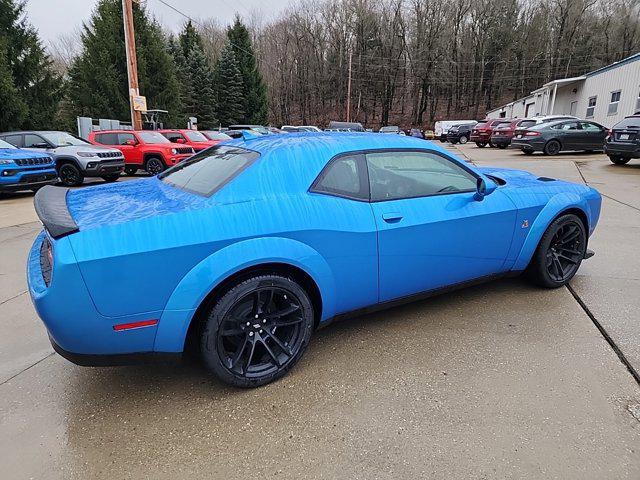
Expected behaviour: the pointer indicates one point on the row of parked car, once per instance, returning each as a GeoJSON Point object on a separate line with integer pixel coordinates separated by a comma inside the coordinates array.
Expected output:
{"type": "Point", "coordinates": [551, 135]}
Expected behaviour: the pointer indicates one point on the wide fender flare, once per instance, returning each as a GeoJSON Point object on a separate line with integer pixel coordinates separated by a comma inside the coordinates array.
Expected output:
{"type": "Point", "coordinates": [555, 206]}
{"type": "Point", "coordinates": [210, 272]}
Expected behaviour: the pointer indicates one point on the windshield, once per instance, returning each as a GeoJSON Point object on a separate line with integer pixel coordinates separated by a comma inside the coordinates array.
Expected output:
{"type": "Point", "coordinates": [4, 144]}
{"type": "Point", "coordinates": [208, 171]}
{"type": "Point", "coordinates": [63, 139]}
{"type": "Point", "coordinates": [217, 136]}
{"type": "Point", "coordinates": [196, 136]}
{"type": "Point", "coordinates": [152, 137]}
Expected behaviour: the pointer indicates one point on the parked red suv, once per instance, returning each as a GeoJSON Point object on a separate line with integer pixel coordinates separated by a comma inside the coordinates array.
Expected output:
{"type": "Point", "coordinates": [193, 138]}
{"type": "Point", "coordinates": [502, 133]}
{"type": "Point", "coordinates": [481, 133]}
{"type": "Point", "coordinates": [145, 149]}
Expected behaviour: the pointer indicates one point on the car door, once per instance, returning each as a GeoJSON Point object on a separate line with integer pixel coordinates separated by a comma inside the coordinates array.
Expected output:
{"type": "Point", "coordinates": [570, 135]}
{"type": "Point", "coordinates": [432, 231]}
{"type": "Point", "coordinates": [593, 135]}
{"type": "Point", "coordinates": [128, 145]}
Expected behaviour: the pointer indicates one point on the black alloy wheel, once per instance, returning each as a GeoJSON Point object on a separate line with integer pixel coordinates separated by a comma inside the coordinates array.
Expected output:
{"type": "Point", "coordinates": [552, 147]}
{"type": "Point", "coordinates": [154, 166]}
{"type": "Point", "coordinates": [560, 252]}
{"type": "Point", "coordinates": [257, 331]}
{"type": "Point", "coordinates": [70, 175]}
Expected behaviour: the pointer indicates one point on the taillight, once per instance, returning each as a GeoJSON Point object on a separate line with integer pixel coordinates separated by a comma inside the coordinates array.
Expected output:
{"type": "Point", "coordinates": [532, 134]}
{"type": "Point", "coordinates": [46, 261]}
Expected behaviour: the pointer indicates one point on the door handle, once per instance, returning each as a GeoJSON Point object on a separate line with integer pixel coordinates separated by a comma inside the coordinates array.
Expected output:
{"type": "Point", "coordinates": [392, 217]}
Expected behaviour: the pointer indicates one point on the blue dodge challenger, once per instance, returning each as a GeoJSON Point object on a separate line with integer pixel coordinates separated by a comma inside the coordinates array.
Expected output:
{"type": "Point", "coordinates": [244, 249]}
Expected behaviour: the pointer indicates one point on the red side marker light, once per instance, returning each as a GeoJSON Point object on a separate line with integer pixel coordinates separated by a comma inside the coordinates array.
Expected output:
{"type": "Point", "coordinates": [131, 326]}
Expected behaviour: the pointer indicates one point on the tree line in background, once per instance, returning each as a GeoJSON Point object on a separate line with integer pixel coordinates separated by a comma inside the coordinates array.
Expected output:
{"type": "Point", "coordinates": [412, 61]}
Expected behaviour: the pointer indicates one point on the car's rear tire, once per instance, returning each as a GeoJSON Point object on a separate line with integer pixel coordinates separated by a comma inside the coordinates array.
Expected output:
{"type": "Point", "coordinates": [111, 178]}
{"type": "Point", "coordinates": [257, 331]}
{"type": "Point", "coordinates": [502, 146]}
{"type": "Point", "coordinates": [527, 152]}
{"type": "Point", "coordinates": [154, 165]}
{"type": "Point", "coordinates": [130, 170]}
{"type": "Point", "coordinates": [464, 139]}
{"type": "Point", "coordinates": [453, 142]}
{"type": "Point", "coordinates": [552, 147]}
{"type": "Point", "coordinates": [618, 160]}
{"type": "Point", "coordinates": [481, 144]}
{"type": "Point", "coordinates": [70, 175]}
{"type": "Point", "coordinates": [559, 253]}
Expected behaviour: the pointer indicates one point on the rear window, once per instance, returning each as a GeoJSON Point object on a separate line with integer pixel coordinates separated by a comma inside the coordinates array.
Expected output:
{"type": "Point", "coordinates": [526, 123]}
{"type": "Point", "coordinates": [503, 126]}
{"type": "Point", "coordinates": [480, 125]}
{"type": "Point", "coordinates": [208, 171]}
{"type": "Point", "coordinates": [629, 122]}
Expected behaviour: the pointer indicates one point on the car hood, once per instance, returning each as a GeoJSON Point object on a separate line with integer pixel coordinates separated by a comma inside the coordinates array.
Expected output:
{"type": "Point", "coordinates": [16, 153]}
{"type": "Point", "coordinates": [116, 203]}
{"type": "Point", "coordinates": [73, 149]}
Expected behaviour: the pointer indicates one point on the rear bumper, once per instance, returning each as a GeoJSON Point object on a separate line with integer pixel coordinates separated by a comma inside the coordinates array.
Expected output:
{"type": "Point", "coordinates": [531, 146]}
{"type": "Point", "coordinates": [480, 138]}
{"type": "Point", "coordinates": [622, 149]}
{"type": "Point", "coordinates": [501, 140]}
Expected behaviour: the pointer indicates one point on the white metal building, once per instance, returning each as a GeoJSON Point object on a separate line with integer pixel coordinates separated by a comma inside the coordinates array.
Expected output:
{"type": "Point", "coordinates": [606, 95]}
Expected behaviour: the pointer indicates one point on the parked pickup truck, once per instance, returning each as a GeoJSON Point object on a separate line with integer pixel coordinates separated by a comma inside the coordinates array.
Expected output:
{"type": "Point", "coordinates": [143, 149]}
{"type": "Point", "coordinates": [24, 170]}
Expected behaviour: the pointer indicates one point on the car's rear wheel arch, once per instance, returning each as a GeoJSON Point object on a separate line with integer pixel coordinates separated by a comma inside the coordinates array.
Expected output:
{"type": "Point", "coordinates": [301, 277]}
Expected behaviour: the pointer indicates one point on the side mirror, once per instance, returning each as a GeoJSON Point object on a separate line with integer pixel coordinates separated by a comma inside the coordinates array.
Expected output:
{"type": "Point", "coordinates": [131, 143]}
{"type": "Point", "coordinates": [40, 145]}
{"type": "Point", "coordinates": [180, 140]}
{"type": "Point", "coordinates": [482, 189]}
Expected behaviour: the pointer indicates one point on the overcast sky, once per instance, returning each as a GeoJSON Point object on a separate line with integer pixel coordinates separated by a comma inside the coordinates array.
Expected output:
{"type": "Point", "coordinates": [55, 17]}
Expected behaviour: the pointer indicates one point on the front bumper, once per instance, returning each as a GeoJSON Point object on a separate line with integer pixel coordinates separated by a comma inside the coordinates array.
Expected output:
{"type": "Point", "coordinates": [27, 179]}
{"type": "Point", "coordinates": [104, 167]}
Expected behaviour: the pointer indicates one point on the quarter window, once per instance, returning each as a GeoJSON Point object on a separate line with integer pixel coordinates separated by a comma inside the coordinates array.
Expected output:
{"type": "Point", "coordinates": [344, 177]}
{"type": "Point", "coordinates": [15, 140]}
{"type": "Point", "coordinates": [615, 99]}
{"type": "Point", "coordinates": [397, 175]}
{"type": "Point", "coordinates": [591, 107]}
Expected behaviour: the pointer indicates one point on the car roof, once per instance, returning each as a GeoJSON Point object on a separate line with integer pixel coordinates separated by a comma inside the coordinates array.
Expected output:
{"type": "Point", "coordinates": [331, 144]}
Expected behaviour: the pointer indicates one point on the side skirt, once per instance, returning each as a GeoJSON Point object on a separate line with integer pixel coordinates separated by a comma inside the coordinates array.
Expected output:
{"type": "Point", "coordinates": [417, 297]}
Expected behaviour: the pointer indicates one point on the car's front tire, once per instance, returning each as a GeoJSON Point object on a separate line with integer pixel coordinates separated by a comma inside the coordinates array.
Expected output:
{"type": "Point", "coordinates": [552, 147]}
{"type": "Point", "coordinates": [70, 175]}
{"type": "Point", "coordinates": [257, 331]}
{"type": "Point", "coordinates": [559, 253]}
{"type": "Point", "coordinates": [481, 144]}
{"type": "Point", "coordinates": [464, 139]}
{"type": "Point", "coordinates": [527, 152]}
{"type": "Point", "coordinates": [154, 166]}
{"type": "Point", "coordinates": [111, 178]}
{"type": "Point", "coordinates": [130, 170]}
{"type": "Point", "coordinates": [618, 160]}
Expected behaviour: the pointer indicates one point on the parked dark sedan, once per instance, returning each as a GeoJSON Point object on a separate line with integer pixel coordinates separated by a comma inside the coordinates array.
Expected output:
{"type": "Point", "coordinates": [623, 142]}
{"type": "Point", "coordinates": [459, 133]}
{"type": "Point", "coordinates": [555, 137]}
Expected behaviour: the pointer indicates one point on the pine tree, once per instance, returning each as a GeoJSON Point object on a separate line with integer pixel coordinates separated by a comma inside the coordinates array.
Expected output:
{"type": "Point", "coordinates": [36, 88]}
{"type": "Point", "coordinates": [201, 95]}
{"type": "Point", "coordinates": [13, 109]}
{"type": "Point", "coordinates": [253, 88]}
{"type": "Point", "coordinates": [229, 84]}
{"type": "Point", "coordinates": [98, 85]}
{"type": "Point", "coordinates": [189, 39]}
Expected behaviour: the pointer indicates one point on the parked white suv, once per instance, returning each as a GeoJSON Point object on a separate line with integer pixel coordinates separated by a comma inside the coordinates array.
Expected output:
{"type": "Point", "coordinates": [75, 158]}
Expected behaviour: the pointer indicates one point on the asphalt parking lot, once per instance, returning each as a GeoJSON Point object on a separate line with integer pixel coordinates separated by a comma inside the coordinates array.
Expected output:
{"type": "Point", "coordinates": [499, 381]}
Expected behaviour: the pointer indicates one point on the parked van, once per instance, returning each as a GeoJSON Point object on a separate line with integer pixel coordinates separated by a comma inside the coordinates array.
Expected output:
{"type": "Point", "coordinates": [442, 127]}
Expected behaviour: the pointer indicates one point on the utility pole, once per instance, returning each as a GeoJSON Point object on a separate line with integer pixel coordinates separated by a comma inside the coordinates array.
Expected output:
{"type": "Point", "coordinates": [349, 87]}
{"type": "Point", "coordinates": [132, 61]}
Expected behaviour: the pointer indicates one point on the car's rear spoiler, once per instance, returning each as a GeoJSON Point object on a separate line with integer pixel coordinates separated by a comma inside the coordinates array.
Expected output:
{"type": "Point", "coordinates": [51, 207]}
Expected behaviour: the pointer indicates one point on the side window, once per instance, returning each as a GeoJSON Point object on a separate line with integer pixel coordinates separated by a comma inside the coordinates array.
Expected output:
{"type": "Point", "coordinates": [172, 136]}
{"type": "Point", "coordinates": [107, 138]}
{"type": "Point", "coordinates": [590, 127]}
{"type": "Point", "coordinates": [591, 107]}
{"type": "Point", "coordinates": [344, 177]}
{"type": "Point", "coordinates": [615, 100]}
{"type": "Point", "coordinates": [15, 140]}
{"type": "Point", "coordinates": [637, 103]}
{"type": "Point", "coordinates": [123, 138]}
{"type": "Point", "coordinates": [570, 126]}
{"type": "Point", "coordinates": [396, 175]}
{"type": "Point", "coordinates": [33, 141]}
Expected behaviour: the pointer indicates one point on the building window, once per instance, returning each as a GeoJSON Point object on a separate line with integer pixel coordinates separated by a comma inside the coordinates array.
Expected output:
{"type": "Point", "coordinates": [591, 106]}
{"type": "Point", "coordinates": [637, 110]}
{"type": "Point", "coordinates": [615, 99]}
